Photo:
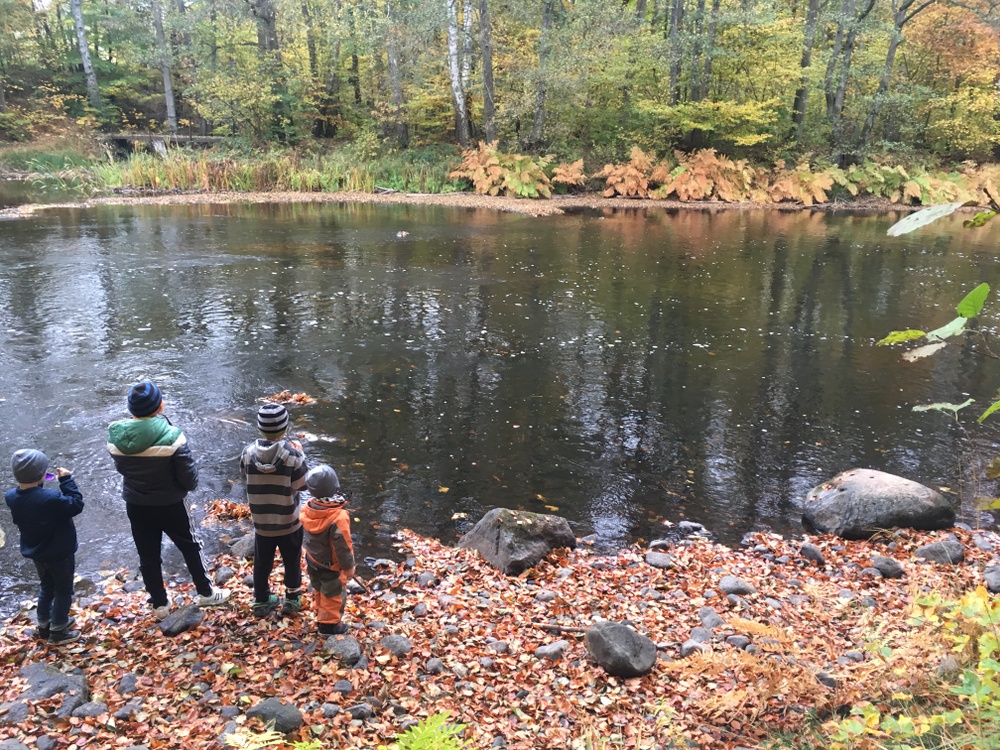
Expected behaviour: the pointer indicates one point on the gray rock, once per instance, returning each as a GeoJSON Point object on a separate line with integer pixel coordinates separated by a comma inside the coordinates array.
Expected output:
{"type": "Point", "coordinates": [735, 601]}
{"type": "Point", "coordinates": [15, 713]}
{"type": "Point", "coordinates": [229, 712]}
{"type": "Point", "coordinates": [343, 687]}
{"type": "Point", "coordinates": [128, 684]}
{"type": "Point", "coordinates": [361, 711]}
{"type": "Point", "coordinates": [991, 577]}
{"type": "Point", "coordinates": [873, 572]}
{"type": "Point", "coordinates": [982, 543]}
{"type": "Point", "coordinates": [329, 710]}
{"type": "Point", "coordinates": [343, 647]}
{"type": "Point", "coordinates": [660, 560]}
{"type": "Point", "coordinates": [434, 666]}
{"type": "Point", "coordinates": [128, 708]}
{"type": "Point", "coordinates": [552, 651]}
{"type": "Point", "coordinates": [545, 595]}
{"type": "Point", "coordinates": [461, 671]}
{"type": "Point", "coordinates": [13, 745]}
{"type": "Point", "coordinates": [46, 681]}
{"type": "Point", "coordinates": [515, 541]}
{"type": "Point", "coordinates": [690, 527]}
{"type": "Point", "coordinates": [426, 579]}
{"type": "Point", "coordinates": [243, 547]}
{"type": "Point", "coordinates": [734, 585]}
{"type": "Point", "coordinates": [738, 641]}
{"type": "Point", "coordinates": [812, 552]}
{"type": "Point", "coordinates": [354, 588]}
{"type": "Point", "coordinates": [948, 552]}
{"type": "Point", "coordinates": [180, 620]}
{"type": "Point", "coordinates": [888, 567]}
{"type": "Point", "coordinates": [827, 680]}
{"type": "Point", "coordinates": [486, 662]}
{"type": "Point", "coordinates": [397, 645]}
{"type": "Point", "coordinates": [619, 650]}
{"type": "Point", "coordinates": [690, 647]}
{"type": "Point", "coordinates": [500, 647]}
{"type": "Point", "coordinates": [90, 709]}
{"type": "Point", "coordinates": [420, 610]}
{"type": "Point", "coordinates": [130, 587]}
{"type": "Point", "coordinates": [773, 603]}
{"type": "Point", "coordinates": [700, 635]}
{"type": "Point", "coordinates": [855, 655]}
{"type": "Point", "coordinates": [661, 544]}
{"type": "Point", "coordinates": [247, 581]}
{"type": "Point", "coordinates": [286, 717]}
{"type": "Point", "coordinates": [867, 601]}
{"type": "Point", "coordinates": [223, 574]}
{"type": "Point", "coordinates": [710, 618]}
{"type": "Point", "coordinates": [45, 743]}
{"type": "Point", "coordinates": [859, 503]}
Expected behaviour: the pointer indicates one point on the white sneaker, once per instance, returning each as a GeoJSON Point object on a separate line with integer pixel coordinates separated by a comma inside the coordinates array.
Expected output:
{"type": "Point", "coordinates": [160, 613]}
{"type": "Point", "coordinates": [217, 597]}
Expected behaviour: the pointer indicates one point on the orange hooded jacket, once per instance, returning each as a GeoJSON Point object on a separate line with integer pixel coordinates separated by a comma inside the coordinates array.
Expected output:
{"type": "Point", "coordinates": [327, 525]}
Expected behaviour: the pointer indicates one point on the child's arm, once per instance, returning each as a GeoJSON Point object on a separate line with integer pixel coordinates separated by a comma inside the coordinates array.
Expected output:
{"type": "Point", "coordinates": [300, 468]}
{"type": "Point", "coordinates": [71, 499]}
{"type": "Point", "coordinates": [185, 469]}
{"type": "Point", "coordinates": [340, 540]}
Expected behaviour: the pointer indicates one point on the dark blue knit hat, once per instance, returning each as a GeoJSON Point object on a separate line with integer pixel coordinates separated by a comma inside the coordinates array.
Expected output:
{"type": "Point", "coordinates": [144, 399]}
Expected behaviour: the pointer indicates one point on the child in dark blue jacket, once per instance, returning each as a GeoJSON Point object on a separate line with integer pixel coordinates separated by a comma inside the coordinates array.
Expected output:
{"type": "Point", "coordinates": [48, 538]}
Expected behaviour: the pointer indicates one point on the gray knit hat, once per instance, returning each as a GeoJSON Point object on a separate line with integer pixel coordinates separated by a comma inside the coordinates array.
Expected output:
{"type": "Point", "coordinates": [322, 481]}
{"type": "Point", "coordinates": [272, 419]}
{"type": "Point", "coordinates": [29, 466]}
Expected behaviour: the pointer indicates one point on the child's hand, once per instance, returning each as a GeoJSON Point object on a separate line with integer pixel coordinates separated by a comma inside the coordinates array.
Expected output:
{"type": "Point", "coordinates": [61, 472]}
{"type": "Point", "coordinates": [296, 445]}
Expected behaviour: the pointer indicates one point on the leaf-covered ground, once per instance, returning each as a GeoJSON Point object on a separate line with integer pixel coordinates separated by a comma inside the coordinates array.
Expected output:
{"type": "Point", "coordinates": [803, 619]}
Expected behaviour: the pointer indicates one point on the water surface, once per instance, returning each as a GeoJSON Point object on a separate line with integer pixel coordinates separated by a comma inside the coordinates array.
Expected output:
{"type": "Point", "coordinates": [622, 368]}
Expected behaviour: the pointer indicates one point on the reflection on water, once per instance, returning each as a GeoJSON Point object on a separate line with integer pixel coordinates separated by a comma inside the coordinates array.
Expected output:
{"type": "Point", "coordinates": [619, 368]}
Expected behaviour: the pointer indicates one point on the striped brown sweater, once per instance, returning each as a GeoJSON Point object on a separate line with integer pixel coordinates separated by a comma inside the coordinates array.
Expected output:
{"type": "Point", "coordinates": [274, 474]}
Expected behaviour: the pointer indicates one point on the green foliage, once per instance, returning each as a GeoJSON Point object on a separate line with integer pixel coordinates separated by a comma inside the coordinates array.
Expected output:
{"type": "Point", "coordinates": [900, 337]}
{"type": "Point", "coordinates": [944, 406]}
{"type": "Point", "coordinates": [433, 733]}
{"type": "Point", "coordinates": [972, 304]}
{"type": "Point", "coordinates": [732, 123]}
{"type": "Point", "coordinates": [969, 628]}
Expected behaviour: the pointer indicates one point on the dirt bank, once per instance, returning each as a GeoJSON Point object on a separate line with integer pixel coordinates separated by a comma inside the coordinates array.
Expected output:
{"type": "Point", "coordinates": [556, 205]}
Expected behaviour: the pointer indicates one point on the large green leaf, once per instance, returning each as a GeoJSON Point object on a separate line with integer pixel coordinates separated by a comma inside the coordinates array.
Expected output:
{"type": "Point", "coordinates": [943, 406]}
{"type": "Point", "coordinates": [992, 408]}
{"type": "Point", "coordinates": [922, 218]}
{"type": "Point", "coordinates": [972, 305]}
{"type": "Point", "coordinates": [979, 219]}
{"type": "Point", "coordinates": [984, 502]}
{"type": "Point", "coordinates": [954, 328]}
{"type": "Point", "coordinates": [898, 337]}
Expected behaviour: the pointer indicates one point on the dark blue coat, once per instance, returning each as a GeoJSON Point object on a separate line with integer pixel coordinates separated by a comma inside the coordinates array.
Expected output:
{"type": "Point", "coordinates": [45, 519]}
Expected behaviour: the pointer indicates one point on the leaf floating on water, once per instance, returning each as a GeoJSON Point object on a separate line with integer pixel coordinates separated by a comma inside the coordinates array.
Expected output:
{"type": "Point", "coordinates": [443, 490]}
{"type": "Point", "coordinates": [553, 508]}
{"type": "Point", "coordinates": [979, 220]}
{"type": "Point", "coordinates": [943, 406]}
{"type": "Point", "coordinates": [457, 516]}
{"type": "Point", "coordinates": [899, 337]}
{"type": "Point", "coordinates": [922, 218]}
{"type": "Point", "coordinates": [923, 351]}
{"type": "Point", "coordinates": [287, 397]}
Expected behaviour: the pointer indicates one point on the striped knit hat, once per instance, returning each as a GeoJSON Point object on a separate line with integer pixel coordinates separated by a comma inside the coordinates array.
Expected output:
{"type": "Point", "coordinates": [144, 399]}
{"type": "Point", "coordinates": [272, 419]}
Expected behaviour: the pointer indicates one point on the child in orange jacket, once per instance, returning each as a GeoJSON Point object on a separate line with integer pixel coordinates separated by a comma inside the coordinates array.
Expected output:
{"type": "Point", "coordinates": [328, 547]}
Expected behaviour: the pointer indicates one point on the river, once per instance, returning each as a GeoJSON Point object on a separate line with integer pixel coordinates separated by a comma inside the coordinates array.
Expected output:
{"type": "Point", "coordinates": [621, 368]}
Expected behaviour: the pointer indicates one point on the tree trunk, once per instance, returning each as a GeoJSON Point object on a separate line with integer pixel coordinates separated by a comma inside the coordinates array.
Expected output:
{"type": "Point", "coordinates": [330, 113]}
{"type": "Point", "coordinates": [93, 92]}
{"type": "Point", "coordinates": [466, 55]}
{"type": "Point", "coordinates": [266, 17]}
{"type": "Point", "coordinates": [455, 71]}
{"type": "Point", "coordinates": [901, 16]}
{"type": "Point", "coordinates": [544, 46]}
{"type": "Point", "coordinates": [694, 76]}
{"type": "Point", "coordinates": [3, 98]}
{"type": "Point", "coordinates": [802, 93]}
{"type": "Point", "coordinates": [399, 126]}
{"type": "Point", "coordinates": [486, 48]}
{"type": "Point", "coordinates": [713, 23]}
{"type": "Point", "coordinates": [310, 39]}
{"type": "Point", "coordinates": [163, 52]}
{"type": "Point", "coordinates": [676, 18]}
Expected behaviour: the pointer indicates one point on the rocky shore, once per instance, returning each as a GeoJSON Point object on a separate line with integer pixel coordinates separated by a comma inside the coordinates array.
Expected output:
{"type": "Point", "coordinates": [748, 642]}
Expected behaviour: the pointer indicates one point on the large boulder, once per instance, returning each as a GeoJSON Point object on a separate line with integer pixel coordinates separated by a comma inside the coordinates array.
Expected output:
{"type": "Point", "coordinates": [861, 502]}
{"type": "Point", "coordinates": [515, 540]}
{"type": "Point", "coordinates": [619, 650]}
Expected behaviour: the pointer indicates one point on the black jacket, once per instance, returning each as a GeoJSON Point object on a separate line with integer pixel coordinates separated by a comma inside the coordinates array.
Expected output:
{"type": "Point", "coordinates": [45, 519]}
{"type": "Point", "coordinates": [153, 457]}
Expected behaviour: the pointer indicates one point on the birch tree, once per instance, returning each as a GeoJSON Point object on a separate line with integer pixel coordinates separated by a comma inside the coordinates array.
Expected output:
{"type": "Point", "coordinates": [163, 53]}
{"type": "Point", "coordinates": [455, 73]}
{"type": "Point", "coordinates": [93, 92]}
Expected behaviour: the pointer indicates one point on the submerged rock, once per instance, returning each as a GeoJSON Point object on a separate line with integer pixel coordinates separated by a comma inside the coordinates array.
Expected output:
{"type": "Point", "coordinates": [862, 502]}
{"type": "Point", "coordinates": [514, 541]}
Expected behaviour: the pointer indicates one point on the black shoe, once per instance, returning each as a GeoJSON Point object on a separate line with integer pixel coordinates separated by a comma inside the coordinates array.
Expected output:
{"type": "Point", "coordinates": [326, 628]}
{"type": "Point", "coordinates": [42, 632]}
{"type": "Point", "coordinates": [59, 637]}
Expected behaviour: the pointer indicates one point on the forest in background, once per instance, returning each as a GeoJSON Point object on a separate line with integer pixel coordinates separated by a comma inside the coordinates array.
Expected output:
{"type": "Point", "coordinates": [772, 79]}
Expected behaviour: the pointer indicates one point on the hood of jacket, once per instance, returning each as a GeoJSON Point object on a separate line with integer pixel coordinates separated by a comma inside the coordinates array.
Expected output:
{"type": "Point", "coordinates": [317, 515]}
{"type": "Point", "coordinates": [132, 436]}
{"type": "Point", "coordinates": [266, 455]}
